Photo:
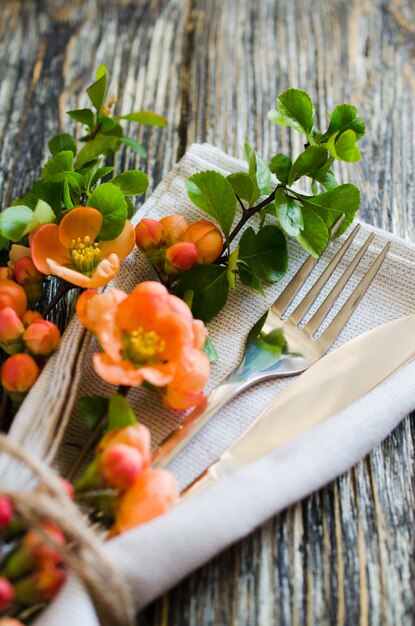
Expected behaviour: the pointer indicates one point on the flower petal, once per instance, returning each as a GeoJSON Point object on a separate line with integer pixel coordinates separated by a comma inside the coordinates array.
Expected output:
{"type": "Point", "coordinates": [16, 253]}
{"type": "Point", "coordinates": [105, 271]}
{"type": "Point", "coordinates": [121, 245]}
{"type": "Point", "coordinates": [121, 373]}
{"type": "Point", "coordinates": [84, 221]}
{"type": "Point", "coordinates": [46, 245]}
{"type": "Point", "coordinates": [156, 375]}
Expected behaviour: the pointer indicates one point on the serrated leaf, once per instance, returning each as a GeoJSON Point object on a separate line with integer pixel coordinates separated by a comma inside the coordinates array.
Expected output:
{"type": "Point", "coordinates": [331, 204]}
{"type": "Point", "coordinates": [210, 287]}
{"type": "Point", "coordinates": [84, 116]}
{"type": "Point", "coordinates": [100, 145]}
{"type": "Point", "coordinates": [43, 214]}
{"type": "Point", "coordinates": [345, 117]}
{"type": "Point", "coordinates": [92, 409]}
{"type": "Point", "coordinates": [315, 235]}
{"type": "Point", "coordinates": [295, 109]}
{"type": "Point", "coordinates": [280, 165]}
{"type": "Point", "coordinates": [344, 147]}
{"type": "Point", "coordinates": [289, 213]}
{"type": "Point", "coordinates": [98, 89]}
{"type": "Point", "coordinates": [109, 201]}
{"type": "Point", "coordinates": [213, 194]}
{"type": "Point", "coordinates": [62, 163]}
{"type": "Point", "coordinates": [244, 186]}
{"type": "Point", "coordinates": [308, 162]}
{"type": "Point", "coordinates": [145, 117]}
{"type": "Point", "coordinates": [120, 413]}
{"type": "Point", "coordinates": [265, 252]}
{"type": "Point", "coordinates": [101, 172]}
{"type": "Point", "coordinates": [131, 183]}
{"type": "Point", "coordinates": [14, 222]}
{"type": "Point", "coordinates": [258, 170]}
{"type": "Point", "coordinates": [134, 145]}
{"type": "Point", "coordinates": [61, 143]}
{"type": "Point", "coordinates": [50, 192]}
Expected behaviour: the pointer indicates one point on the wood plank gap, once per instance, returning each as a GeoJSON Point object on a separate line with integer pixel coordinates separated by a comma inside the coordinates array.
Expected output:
{"type": "Point", "coordinates": [187, 53]}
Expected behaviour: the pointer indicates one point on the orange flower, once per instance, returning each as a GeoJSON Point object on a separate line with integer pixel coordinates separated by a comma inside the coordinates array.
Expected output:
{"type": "Point", "coordinates": [150, 336]}
{"type": "Point", "coordinates": [154, 492]}
{"type": "Point", "coordinates": [71, 251]}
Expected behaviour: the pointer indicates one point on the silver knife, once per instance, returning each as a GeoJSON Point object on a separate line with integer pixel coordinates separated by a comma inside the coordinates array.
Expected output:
{"type": "Point", "coordinates": [330, 385]}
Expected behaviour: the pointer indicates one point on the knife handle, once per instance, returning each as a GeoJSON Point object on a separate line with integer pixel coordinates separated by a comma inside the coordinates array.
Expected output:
{"type": "Point", "coordinates": [194, 421]}
{"type": "Point", "coordinates": [205, 479]}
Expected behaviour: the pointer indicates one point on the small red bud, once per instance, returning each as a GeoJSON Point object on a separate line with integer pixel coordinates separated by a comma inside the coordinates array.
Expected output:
{"type": "Point", "coordinates": [29, 317]}
{"type": "Point", "coordinates": [6, 594]}
{"type": "Point", "coordinates": [148, 233]}
{"type": "Point", "coordinates": [18, 373]}
{"type": "Point", "coordinates": [182, 255]}
{"type": "Point", "coordinates": [11, 331]}
{"type": "Point", "coordinates": [42, 337]}
{"type": "Point", "coordinates": [121, 465]}
{"type": "Point", "coordinates": [207, 239]}
{"type": "Point", "coordinates": [6, 511]}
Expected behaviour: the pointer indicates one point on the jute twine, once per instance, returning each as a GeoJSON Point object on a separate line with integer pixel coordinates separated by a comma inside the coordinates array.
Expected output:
{"type": "Point", "coordinates": [83, 552]}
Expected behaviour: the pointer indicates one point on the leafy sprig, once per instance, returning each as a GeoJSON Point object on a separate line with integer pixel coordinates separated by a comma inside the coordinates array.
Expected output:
{"type": "Point", "coordinates": [72, 175]}
{"type": "Point", "coordinates": [280, 210]}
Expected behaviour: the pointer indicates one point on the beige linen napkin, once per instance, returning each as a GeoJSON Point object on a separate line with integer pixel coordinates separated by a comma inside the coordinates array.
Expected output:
{"type": "Point", "coordinates": [157, 555]}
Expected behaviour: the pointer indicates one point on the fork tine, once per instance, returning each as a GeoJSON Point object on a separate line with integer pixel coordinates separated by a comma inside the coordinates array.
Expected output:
{"type": "Point", "coordinates": [288, 294]}
{"type": "Point", "coordinates": [298, 314]}
{"type": "Point", "coordinates": [326, 305]}
{"type": "Point", "coordinates": [336, 325]}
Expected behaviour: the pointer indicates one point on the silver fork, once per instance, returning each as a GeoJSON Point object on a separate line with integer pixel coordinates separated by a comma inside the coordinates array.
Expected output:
{"type": "Point", "coordinates": [258, 364]}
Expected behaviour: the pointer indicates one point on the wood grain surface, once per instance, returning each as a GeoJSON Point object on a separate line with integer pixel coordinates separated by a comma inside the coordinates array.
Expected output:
{"type": "Point", "coordinates": [345, 555]}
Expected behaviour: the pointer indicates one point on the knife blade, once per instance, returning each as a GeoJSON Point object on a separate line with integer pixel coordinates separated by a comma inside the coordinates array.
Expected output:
{"type": "Point", "coordinates": [333, 383]}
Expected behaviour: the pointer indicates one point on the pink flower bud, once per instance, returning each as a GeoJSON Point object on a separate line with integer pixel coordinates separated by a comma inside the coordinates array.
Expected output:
{"type": "Point", "coordinates": [207, 239]}
{"type": "Point", "coordinates": [6, 594]}
{"type": "Point", "coordinates": [153, 493]}
{"type": "Point", "coordinates": [6, 511]}
{"type": "Point", "coordinates": [182, 255]}
{"type": "Point", "coordinates": [148, 233]}
{"type": "Point", "coordinates": [29, 317]}
{"type": "Point", "coordinates": [11, 331]}
{"type": "Point", "coordinates": [121, 465]}
{"type": "Point", "coordinates": [13, 295]}
{"type": "Point", "coordinates": [6, 273]}
{"type": "Point", "coordinates": [175, 227]}
{"type": "Point", "coordinates": [41, 586]}
{"type": "Point", "coordinates": [18, 373]}
{"type": "Point", "coordinates": [137, 436]}
{"type": "Point", "coordinates": [42, 337]}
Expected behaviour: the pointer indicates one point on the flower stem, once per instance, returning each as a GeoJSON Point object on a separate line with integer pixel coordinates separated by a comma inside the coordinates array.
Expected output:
{"type": "Point", "coordinates": [92, 439]}
{"type": "Point", "coordinates": [61, 292]}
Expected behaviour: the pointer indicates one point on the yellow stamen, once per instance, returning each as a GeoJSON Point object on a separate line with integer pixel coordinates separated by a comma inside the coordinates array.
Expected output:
{"type": "Point", "coordinates": [85, 255]}
{"type": "Point", "coordinates": [142, 346]}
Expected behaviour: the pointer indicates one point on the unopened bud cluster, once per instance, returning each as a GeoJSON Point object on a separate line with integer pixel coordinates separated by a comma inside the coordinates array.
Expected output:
{"type": "Point", "coordinates": [24, 334]}
{"type": "Point", "coordinates": [173, 245]}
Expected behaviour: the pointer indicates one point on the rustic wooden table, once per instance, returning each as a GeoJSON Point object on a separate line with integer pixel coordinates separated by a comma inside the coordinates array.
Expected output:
{"type": "Point", "coordinates": [345, 555]}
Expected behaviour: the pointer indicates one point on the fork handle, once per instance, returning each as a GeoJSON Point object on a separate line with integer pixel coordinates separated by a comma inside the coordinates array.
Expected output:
{"type": "Point", "coordinates": [194, 421]}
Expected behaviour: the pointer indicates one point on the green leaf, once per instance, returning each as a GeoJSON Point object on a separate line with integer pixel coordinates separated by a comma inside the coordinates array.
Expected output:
{"type": "Point", "coordinates": [94, 148]}
{"type": "Point", "coordinates": [92, 409]}
{"type": "Point", "coordinates": [213, 194]}
{"type": "Point", "coordinates": [315, 235]}
{"type": "Point", "coordinates": [265, 252]}
{"type": "Point", "coordinates": [61, 163]}
{"type": "Point", "coordinates": [295, 109]}
{"type": "Point", "coordinates": [248, 278]}
{"type": "Point", "coordinates": [134, 145]}
{"type": "Point", "coordinates": [61, 143]}
{"type": "Point", "coordinates": [101, 71]}
{"type": "Point", "coordinates": [210, 350]}
{"type": "Point", "coordinates": [331, 204]}
{"type": "Point", "coordinates": [131, 183]}
{"type": "Point", "coordinates": [258, 170]}
{"type": "Point", "coordinates": [107, 124]}
{"type": "Point", "coordinates": [345, 117]}
{"type": "Point", "coordinates": [130, 208]}
{"type": "Point", "coordinates": [280, 166]}
{"type": "Point", "coordinates": [145, 117]}
{"type": "Point", "coordinates": [109, 200]}
{"type": "Point", "coordinates": [14, 222]}
{"type": "Point", "coordinates": [120, 414]}
{"type": "Point", "coordinates": [232, 263]}
{"type": "Point", "coordinates": [244, 186]}
{"type": "Point", "coordinates": [101, 172]}
{"type": "Point", "coordinates": [325, 176]}
{"type": "Point", "coordinates": [344, 147]}
{"type": "Point", "coordinates": [84, 116]}
{"type": "Point", "coordinates": [50, 192]}
{"type": "Point", "coordinates": [309, 161]}
{"type": "Point", "coordinates": [43, 214]}
{"type": "Point", "coordinates": [98, 89]}
{"type": "Point", "coordinates": [210, 287]}
{"type": "Point", "coordinates": [67, 199]}
{"type": "Point", "coordinates": [288, 213]}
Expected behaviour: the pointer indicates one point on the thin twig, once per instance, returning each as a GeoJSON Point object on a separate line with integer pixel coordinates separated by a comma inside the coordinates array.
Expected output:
{"type": "Point", "coordinates": [62, 291]}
